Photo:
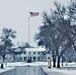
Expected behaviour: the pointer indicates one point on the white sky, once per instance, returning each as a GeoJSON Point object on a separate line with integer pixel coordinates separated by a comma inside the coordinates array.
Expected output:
{"type": "Point", "coordinates": [14, 14]}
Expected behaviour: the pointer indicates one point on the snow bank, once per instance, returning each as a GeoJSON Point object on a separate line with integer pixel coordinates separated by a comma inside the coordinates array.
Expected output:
{"type": "Point", "coordinates": [6, 69]}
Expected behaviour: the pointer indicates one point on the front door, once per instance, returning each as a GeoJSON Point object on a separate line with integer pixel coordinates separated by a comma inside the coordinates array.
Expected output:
{"type": "Point", "coordinates": [29, 59]}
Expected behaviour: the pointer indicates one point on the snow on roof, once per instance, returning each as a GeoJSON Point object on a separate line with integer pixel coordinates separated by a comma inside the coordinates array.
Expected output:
{"type": "Point", "coordinates": [35, 49]}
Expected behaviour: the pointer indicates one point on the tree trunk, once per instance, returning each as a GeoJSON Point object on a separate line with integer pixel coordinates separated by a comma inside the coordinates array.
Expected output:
{"type": "Point", "coordinates": [58, 62]}
{"type": "Point", "coordinates": [54, 59]}
{"type": "Point", "coordinates": [2, 66]}
{"type": "Point", "coordinates": [62, 61]}
{"type": "Point", "coordinates": [54, 62]}
{"type": "Point", "coordinates": [3, 62]}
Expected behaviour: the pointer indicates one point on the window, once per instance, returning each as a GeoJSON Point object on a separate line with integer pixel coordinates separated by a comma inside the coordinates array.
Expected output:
{"type": "Point", "coordinates": [34, 58]}
{"type": "Point", "coordinates": [29, 52]}
{"type": "Point", "coordinates": [42, 52]}
{"type": "Point", "coordinates": [20, 58]}
{"type": "Point", "coordinates": [34, 53]}
{"type": "Point", "coordinates": [38, 58]}
{"type": "Point", "coordinates": [24, 58]}
{"type": "Point", "coordinates": [24, 52]}
{"type": "Point", "coordinates": [38, 52]}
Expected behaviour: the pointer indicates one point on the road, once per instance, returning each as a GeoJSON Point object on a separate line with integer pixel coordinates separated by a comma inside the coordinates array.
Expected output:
{"type": "Point", "coordinates": [31, 70]}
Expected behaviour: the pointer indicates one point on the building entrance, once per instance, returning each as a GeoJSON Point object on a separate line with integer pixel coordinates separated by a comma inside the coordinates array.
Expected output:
{"type": "Point", "coordinates": [29, 59]}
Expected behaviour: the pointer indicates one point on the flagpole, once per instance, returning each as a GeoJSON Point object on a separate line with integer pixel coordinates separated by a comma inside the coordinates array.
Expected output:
{"type": "Point", "coordinates": [29, 29]}
{"type": "Point", "coordinates": [29, 33]}
{"type": "Point", "coordinates": [32, 14]}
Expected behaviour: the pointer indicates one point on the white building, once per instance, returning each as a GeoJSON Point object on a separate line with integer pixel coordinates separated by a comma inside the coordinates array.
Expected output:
{"type": "Point", "coordinates": [28, 54]}
{"type": "Point", "coordinates": [32, 54]}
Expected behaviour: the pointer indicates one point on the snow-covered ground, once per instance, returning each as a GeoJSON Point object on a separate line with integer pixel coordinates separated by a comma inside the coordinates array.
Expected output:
{"type": "Point", "coordinates": [12, 65]}
{"type": "Point", "coordinates": [70, 69]}
{"type": "Point", "coordinates": [6, 69]}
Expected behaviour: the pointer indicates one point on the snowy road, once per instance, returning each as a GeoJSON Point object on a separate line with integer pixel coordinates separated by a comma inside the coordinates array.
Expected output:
{"type": "Point", "coordinates": [32, 70]}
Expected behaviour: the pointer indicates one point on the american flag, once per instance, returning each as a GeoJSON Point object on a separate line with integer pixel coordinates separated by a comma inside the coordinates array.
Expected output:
{"type": "Point", "coordinates": [34, 14]}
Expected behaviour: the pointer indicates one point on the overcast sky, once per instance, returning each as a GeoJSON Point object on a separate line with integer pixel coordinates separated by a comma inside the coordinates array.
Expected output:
{"type": "Point", "coordinates": [14, 14]}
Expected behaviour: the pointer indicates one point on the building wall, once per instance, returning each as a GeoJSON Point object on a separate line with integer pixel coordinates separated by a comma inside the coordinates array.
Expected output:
{"type": "Point", "coordinates": [33, 55]}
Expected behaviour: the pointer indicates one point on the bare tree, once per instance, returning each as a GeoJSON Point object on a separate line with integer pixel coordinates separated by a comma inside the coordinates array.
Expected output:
{"type": "Point", "coordinates": [65, 21]}
{"type": "Point", "coordinates": [52, 40]}
{"type": "Point", "coordinates": [70, 55]}
{"type": "Point", "coordinates": [59, 24]}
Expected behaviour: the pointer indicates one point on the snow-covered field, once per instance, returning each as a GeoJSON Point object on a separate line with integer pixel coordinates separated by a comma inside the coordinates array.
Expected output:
{"type": "Point", "coordinates": [70, 69]}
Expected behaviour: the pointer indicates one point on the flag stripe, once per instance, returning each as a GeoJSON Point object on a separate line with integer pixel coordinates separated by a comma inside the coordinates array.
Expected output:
{"type": "Point", "coordinates": [34, 14]}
